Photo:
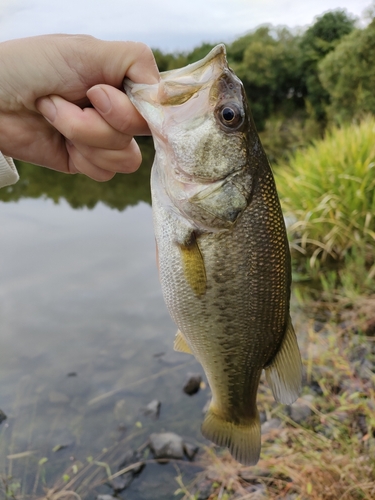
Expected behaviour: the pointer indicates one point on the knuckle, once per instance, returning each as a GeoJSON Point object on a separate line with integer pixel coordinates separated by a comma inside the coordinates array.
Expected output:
{"type": "Point", "coordinates": [144, 51]}
{"type": "Point", "coordinates": [73, 131]}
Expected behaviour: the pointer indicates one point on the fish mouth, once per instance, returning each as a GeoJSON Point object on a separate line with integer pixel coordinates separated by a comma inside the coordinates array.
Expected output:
{"type": "Point", "coordinates": [199, 71]}
{"type": "Point", "coordinates": [176, 87]}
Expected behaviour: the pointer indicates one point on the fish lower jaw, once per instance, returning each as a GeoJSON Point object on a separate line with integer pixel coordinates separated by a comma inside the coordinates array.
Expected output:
{"type": "Point", "coordinates": [185, 178]}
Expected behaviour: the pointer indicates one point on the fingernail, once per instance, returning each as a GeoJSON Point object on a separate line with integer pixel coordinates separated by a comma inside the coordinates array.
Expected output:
{"type": "Point", "coordinates": [99, 99]}
{"type": "Point", "coordinates": [46, 106]}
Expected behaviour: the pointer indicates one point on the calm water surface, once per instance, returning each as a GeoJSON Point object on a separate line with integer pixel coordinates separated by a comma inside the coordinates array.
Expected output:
{"type": "Point", "coordinates": [86, 340]}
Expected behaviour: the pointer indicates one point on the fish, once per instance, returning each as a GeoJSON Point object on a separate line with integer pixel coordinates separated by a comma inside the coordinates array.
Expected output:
{"type": "Point", "coordinates": [222, 248]}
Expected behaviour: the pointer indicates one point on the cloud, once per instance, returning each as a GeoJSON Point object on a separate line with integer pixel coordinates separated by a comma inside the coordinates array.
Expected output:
{"type": "Point", "coordinates": [164, 24]}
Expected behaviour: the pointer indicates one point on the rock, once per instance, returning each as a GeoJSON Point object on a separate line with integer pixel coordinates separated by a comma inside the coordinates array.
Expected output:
{"type": "Point", "coordinates": [167, 445]}
{"type": "Point", "coordinates": [193, 383]}
{"type": "Point", "coordinates": [204, 489]}
{"type": "Point", "coordinates": [252, 475]}
{"type": "Point", "coordinates": [258, 491]}
{"type": "Point", "coordinates": [343, 417]}
{"type": "Point", "coordinates": [262, 417]}
{"type": "Point", "coordinates": [130, 457]}
{"type": "Point", "coordinates": [2, 416]}
{"type": "Point", "coordinates": [328, 430]}
{"type": "Point", "coordinates": [315, 388]}
{"type": "Point", "coordinates": [362, 423]}
{"type": "Point", "coordinates": [105, 497]}
{"type": "Point", "coordinates": [300, 411]}
{"type": "Point", "coordinates": [370, 327]}
{"type": "Point", "coordinates": [190, 450]}
{"type": "Point", "coordinates": [159, 354]}
{"type": "Point", "coordinates": [269, 425]}
{"type": "Point", "coordinates": [152, 410]}
{"type": "Point", "coordinates": [59, 447]}
{"type": "Point", "coordinates": [318, 326]}
{"type": "Point", "coordinates": [120, 483]}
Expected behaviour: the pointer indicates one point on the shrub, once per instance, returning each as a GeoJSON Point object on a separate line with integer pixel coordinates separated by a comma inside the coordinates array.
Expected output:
{"type": "Point", "coordinates": [328, 192]}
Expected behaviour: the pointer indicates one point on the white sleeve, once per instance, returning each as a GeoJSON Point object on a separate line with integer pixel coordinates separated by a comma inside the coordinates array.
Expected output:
{"type": "Point", "coordinates": [8, 171]}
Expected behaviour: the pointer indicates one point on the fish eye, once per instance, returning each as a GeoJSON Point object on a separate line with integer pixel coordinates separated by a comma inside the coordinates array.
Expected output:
{"type": "Point", "coordinates": [230, 115]}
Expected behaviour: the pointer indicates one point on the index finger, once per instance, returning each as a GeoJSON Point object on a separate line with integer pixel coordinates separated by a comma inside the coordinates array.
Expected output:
{"type": "Point", "coordinates": [143, 69]}
{"type": "Point", "coordinates": [134, 60]}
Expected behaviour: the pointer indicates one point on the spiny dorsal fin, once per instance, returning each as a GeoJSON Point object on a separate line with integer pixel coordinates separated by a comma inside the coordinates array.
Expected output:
{"type": "Point", "coordinates": [284, 375]}
{"type": "Point", "coordinates": [193, 266]}
{"type": "Point", "coordinates": [180, 343]}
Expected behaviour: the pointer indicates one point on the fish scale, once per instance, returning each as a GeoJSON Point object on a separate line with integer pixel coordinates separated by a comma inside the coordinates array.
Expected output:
{"type": "Point", "coordinates": [223, 253]}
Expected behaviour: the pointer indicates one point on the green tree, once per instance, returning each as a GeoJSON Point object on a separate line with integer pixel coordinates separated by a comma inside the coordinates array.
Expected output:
{"type": "Point", "coordinates": [199, 52]}
{"type": "Point", "coordinates": [317, 41]}
{"type": "Point", "coordinates": [80, 191]}
{"type": "Point", "coordinates": [265, 61]}
{"type": "Point", "coordinates": [348, 75]}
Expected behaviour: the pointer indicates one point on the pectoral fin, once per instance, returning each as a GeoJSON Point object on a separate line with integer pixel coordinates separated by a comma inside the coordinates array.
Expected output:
{"type": "Point", "coordinates": [284, 375]}
{"type": "Point", "coordinates": [180, 343]}
{"type": "Point", "coordinates": [193, 266]}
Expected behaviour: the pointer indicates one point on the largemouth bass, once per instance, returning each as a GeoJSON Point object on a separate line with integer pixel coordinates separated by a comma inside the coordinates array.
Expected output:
{"type": "Point", "coordinates": [222, 248]}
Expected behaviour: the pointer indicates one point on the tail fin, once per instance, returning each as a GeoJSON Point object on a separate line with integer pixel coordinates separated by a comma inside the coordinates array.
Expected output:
{"type": "Point", "coordinates": [243, 440]}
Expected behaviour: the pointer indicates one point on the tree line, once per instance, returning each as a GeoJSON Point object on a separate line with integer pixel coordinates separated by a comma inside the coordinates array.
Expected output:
{"type": "Point", "coordinates": [324, 74]}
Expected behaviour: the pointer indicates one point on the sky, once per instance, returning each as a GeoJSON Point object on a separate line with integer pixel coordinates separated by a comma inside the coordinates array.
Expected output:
{"type": "Point", "coordinates": [169, 25]}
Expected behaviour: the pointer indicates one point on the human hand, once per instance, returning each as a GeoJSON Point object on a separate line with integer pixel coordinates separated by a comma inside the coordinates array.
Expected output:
{"type": "Point", "coordinates": [46, 85]}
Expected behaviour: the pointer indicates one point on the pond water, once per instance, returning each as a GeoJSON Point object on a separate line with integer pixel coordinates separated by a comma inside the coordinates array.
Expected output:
{"type": "Point", "coordinates": [86, 340]}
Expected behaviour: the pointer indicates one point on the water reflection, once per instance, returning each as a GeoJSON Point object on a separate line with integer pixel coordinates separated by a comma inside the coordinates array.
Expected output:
{"type": "Point", "coordinates": [80, 191]}
{"type": "Point", "coordinates": [79, 296]}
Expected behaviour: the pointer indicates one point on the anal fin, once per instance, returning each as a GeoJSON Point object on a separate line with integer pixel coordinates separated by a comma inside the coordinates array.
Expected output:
{"type": "Point", "coordinates": [180, 343]}
{"type": "Point", "coordinates": [284, 375]}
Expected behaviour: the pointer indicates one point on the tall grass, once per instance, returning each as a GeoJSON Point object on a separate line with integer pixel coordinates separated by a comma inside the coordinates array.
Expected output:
{"type": "Point", "coordinates": [328, 191]}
